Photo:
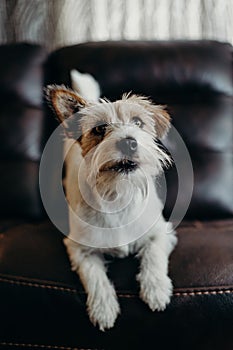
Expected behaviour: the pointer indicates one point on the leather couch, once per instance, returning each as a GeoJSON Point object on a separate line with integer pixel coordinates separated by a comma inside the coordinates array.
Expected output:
{"type": "Point", "coordinates": [42, 303]}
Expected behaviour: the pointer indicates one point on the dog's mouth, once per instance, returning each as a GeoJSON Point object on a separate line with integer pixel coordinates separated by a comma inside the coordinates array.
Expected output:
{"type": "Point", "coordinates": [123, 166]}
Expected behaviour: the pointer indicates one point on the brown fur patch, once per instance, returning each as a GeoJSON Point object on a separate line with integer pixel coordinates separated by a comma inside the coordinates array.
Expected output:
{"type": "Point", "coordinates": [162, 120]}
{"type": "Point", "coordinates": [88, 141]}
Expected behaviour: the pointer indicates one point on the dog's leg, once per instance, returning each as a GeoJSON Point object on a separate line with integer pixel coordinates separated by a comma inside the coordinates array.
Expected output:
{"type": "Point", "coordinates": [102, 304]}
{"type": "Point", "coordinates": [155, 285]}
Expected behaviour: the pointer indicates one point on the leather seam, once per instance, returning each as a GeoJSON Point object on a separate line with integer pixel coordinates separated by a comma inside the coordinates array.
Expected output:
{"type": "Point", "coordinates": [205, 292]}
{"type": "Point", "coordinates": [42, 346]}
{"type": "Point", "coordinates": [188, 294]}
{"type": "Point", "coordinates": [37, 285]}
{"type": "Point", "coordinates": [121, 295]}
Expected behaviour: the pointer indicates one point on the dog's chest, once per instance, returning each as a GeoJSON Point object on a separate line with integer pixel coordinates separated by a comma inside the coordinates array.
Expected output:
{"type": "Point", "coordinates": [119, 252]}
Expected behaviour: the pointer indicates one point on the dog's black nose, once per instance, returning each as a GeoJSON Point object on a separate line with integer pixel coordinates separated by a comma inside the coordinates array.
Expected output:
{"type": "Point", "coordinates": [127, 146]}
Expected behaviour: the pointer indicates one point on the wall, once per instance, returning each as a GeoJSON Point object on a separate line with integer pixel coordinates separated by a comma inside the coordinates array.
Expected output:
{"type": "Point", "coordinates": [62, 22]}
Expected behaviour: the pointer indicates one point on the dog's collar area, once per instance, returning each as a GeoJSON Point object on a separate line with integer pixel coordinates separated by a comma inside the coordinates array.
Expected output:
{"type": "Point", "coordinates": [123, 166]}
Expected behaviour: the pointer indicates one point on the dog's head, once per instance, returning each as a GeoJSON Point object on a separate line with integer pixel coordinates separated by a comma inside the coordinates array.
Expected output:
{"type": "Point", "coordinates": [117, 138]}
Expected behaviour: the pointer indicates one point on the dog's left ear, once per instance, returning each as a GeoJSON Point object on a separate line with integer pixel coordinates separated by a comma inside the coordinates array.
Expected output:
{"type": "Point", "coordinates": [64, 102]}
{"type": "Point", "coordinates": [162, 119]}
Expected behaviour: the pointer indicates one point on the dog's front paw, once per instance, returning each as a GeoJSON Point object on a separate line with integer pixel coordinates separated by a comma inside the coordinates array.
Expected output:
{"type": "Point", "coordinates": [103, 310]}
{"type": "Point", "coordinates": [156, 292]}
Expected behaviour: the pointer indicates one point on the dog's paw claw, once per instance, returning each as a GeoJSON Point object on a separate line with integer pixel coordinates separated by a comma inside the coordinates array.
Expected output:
{"type": "Point", "coordinates": [103, 313]}
{"type": "Point", "coordinates": [157, 295]}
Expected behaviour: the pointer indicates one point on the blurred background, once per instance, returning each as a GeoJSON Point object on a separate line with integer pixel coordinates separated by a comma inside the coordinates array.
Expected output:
{"type": "Point", "coordinates": [56, 23]}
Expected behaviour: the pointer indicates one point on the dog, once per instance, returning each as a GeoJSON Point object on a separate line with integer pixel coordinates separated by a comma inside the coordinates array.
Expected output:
{"type": "Point", "coordinates": [112, 163]}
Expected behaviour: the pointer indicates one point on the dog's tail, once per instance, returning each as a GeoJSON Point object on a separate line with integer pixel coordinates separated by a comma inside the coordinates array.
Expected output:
{"type": "Point", "coordinates": [85, 85]}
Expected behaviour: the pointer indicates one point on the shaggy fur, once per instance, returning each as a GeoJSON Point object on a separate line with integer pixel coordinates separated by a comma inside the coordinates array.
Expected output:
{"type": "Point", "coordinates": [102, 178]}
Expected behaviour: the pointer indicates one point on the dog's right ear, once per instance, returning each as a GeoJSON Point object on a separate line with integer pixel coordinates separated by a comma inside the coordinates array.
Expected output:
{"type": "Point", "coordinates": [64, 102]}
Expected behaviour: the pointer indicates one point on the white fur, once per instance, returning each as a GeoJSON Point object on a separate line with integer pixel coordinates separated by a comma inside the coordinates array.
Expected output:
{"type": "Point", "coordinates": [85, 85]}
{"type": "Point", "coordinates": [153, 248]}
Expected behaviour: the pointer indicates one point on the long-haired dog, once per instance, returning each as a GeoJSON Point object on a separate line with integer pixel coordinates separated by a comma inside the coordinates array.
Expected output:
{"type": "Point", "coordinates": [111, 169]}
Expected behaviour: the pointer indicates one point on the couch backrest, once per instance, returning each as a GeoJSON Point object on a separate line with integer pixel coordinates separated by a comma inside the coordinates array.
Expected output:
{"type": "Point", "coordinates": [194, 79]}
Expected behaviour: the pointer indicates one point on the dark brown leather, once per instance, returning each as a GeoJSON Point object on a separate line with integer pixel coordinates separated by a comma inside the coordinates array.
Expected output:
{"type": "Point", "coordinates": [172, 71]}
{"type": "Point", "coordinates": [44, 302]}
{"type": "Point", "coordinates": [21, 128]}
{"type": "Point", "coordinates": [195, 80]}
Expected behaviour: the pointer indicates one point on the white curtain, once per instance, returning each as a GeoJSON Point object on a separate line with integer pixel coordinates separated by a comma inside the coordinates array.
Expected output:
{"type": "Point", "coordinates": [56, 23]}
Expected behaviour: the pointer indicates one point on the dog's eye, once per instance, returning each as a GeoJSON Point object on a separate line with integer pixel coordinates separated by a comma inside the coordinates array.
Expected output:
{"type": "Point", "coordinates": [99, 130]}
{"type": "Point", "coordinates": [138, 122]}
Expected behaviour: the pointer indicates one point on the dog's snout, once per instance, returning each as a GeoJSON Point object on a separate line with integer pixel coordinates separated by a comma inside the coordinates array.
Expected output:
{"type": "Point", "coordinates": [127, 146]}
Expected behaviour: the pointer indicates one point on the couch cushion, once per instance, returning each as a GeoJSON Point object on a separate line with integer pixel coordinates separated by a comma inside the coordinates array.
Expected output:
{"type": "Point", "coordinates": [48, 301]}
{"type": "Point", "coordinates": [194, 78]}
{"type": "Point", "coordinates": [21, 128]}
